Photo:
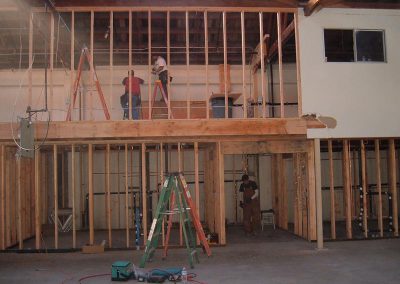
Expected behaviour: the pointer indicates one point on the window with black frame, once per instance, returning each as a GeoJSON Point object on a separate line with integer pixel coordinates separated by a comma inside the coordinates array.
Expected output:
{"type": "Point", "coordinates": [345, 45]}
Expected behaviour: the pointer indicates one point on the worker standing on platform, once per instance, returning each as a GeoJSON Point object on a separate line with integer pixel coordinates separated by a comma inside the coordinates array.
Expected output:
{"type": "Point", "coordinates": [250, 205]}
{"type": "Point", "coordinates": [160, 68]}
{"type": "Point", "coordinates": [132, 85]}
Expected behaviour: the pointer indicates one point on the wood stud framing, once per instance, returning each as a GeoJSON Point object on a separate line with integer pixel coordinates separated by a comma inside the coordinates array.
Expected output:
{"type": "Point", "coordinates": [332, 191]}
{"type": "Point", "coordinates": [55, 185]}
{"type": "Point", "coordinates": [91, 194]}
{"type": "Point", "coordinates": [73, 189]}
{"type": "Point", "coordinates": [126, 197]}
{"type": "Point", "coordinates": [130, 64]}
{"type": "Point", "coordinates": [393, 185]}
{"type": "Point", "coordinates": [364, 189]}
{"type": "Point", "coordinates": [264, 99]}
{"type": "Point", "coordinates": [281, 90]}
{"type": "Point", "coordinates": [379, 185]}
{"type": "Point", "coordinates": [225, 63]}
{"type": "Point", "coordinates": [206, 63]}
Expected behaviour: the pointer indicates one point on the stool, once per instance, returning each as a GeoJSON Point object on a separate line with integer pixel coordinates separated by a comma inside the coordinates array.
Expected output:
{"type": "Point", "coordinates": [267, 218]}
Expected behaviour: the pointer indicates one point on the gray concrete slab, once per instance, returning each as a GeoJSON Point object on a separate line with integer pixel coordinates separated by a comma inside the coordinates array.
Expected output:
{"type": "Point", "coordinates": [255, 260]}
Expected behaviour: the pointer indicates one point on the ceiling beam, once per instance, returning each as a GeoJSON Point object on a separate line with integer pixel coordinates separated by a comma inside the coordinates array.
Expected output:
{"type": "Point", "coordinates": [311, 6]}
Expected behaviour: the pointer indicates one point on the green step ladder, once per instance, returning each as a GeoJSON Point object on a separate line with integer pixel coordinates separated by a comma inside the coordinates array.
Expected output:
{"type": "Point", "coordinates": [173, 200]}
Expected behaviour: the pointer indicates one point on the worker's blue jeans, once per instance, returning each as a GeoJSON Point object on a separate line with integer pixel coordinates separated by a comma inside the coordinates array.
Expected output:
{"type": "Point", "coordinates": [135, 108]}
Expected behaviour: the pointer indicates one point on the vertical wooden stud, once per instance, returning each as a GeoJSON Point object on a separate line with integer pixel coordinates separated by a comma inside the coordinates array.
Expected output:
{"type": "Point", "coordinates": [332, 190]}
{"type": "Point", "coordinates": [52, 105]}
{"type": "Point", "coordinates": [225, 63]}
{"type": "Point", "coordinates": [264, 99]}
{"type": "Point", "coordinates": [188, 96]}
{"type": "Point", "coordinates": [281, 90]}
{"type": "Point", "coordinates": [242, 30]}
{"type": "Point", "coordinates": [111, 59]}
{"type": "Point", "coordinates": [318, 193]}
{"type": "Point", "coordinates": [73, 189]}
{"type": "Point", "coordinates": [347, 188]}
{"type": "Point", "coordinates": [206, 63]}
{"type": "Point", "coordinates": [55, 186]}
{"type": "Point", "coordinates": [298, 73]}
{"type": "Point", "coordinates": [196, 177]}
{"type": "Point", "coordinates": [144, 194]}
{"type": "Point", "coordinates": [91, 63]}
{"type": "Point", "coordinates": [393, 185]}
{"type": "Point", "coordinates": [19, 205]}
{"type": "Point", "coordinates": [91, 194]}
{"type": "Point", "coordinates": [312, 218]}
{"type": "Point", "coordinates": [108, 192]}
{"type": "Point", "coordinates": [221, 196]}
{"type": "Point", "coordinates": [30, 58]}
{"type": "Point", "coordinates": [180, 170]}
{"type": "Point", "coordinates": [379, 185]}
{"type": "Point", "coordinates": [364, 189]}
{"type": "Point", "coordinates": [149, 61]}
{"type": "Point", "coordinates": [130, 63]}
{"type": "Point", "coordinates": [169, 61]}
{"type": "Point", "coordinates": [37, 200]}
{"type": "Point", "coordinates": [3, 199]}
{"type": "Point", "coordinates": [126, 196]}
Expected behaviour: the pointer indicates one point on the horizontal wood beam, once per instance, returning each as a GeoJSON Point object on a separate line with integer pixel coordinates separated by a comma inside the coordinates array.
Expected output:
{"type": "Point", "coordinates": [275, 147]}
{"type": "Point", "coordinates": [145, 129]}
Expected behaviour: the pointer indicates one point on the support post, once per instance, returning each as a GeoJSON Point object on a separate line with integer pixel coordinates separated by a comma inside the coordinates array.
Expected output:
{"type": "Point", "coordinates": [393, 185]}
{"type": "Point", "coordinates": [364, 188]}
{"type": "Point", "coordinates": [281, 90]}
{"type": "Point", "coordinates": [188, 96]}
{"type": "Point", "coordinates": [111, 58]}
{"type": "Point", "coordinates": [242, 29]}
{"type": "Point", "coordinates": [169, 61]}
{"type": "Point", "coordinates": [30, 59]}
{"type": "Point", "coordinates": [51, 61]}
{"type": "Point", "coordinates": [126, 197]}
{"type": "Point", "coordinates": [73, 189]}
{"type": "Point", "coordinates": [379, 185]}
{"type": "Point", "coordinates": [225, 63]}
{"type": "Point", "coordinates": [221, 196]}
{"type": "Point", "coordinates": [264, 99]}
{"type": "Point", "coordinates": [72, 58]}
{"type": "Point", "coordinates": [3, 199]}
{"type": "Point", "coordinates": [332, 191]}
{"type": "Point", "coordinates": [37, 200]}
{"type": "Point", "coordinates": [347, 188]}
{"type": "Point", "coordinates": [206, 63]}
{"type": "Point", "coordinates": [149, 63]}
{"type": "Point", "coordinates": [91, 194]}
{"type": "Point", "coordinates": [318, 193]}
{"type": "Point", "coordinates": [130, 65]}
{"type": "Point", "coordinates": [144, 194]}
{"type": "Point", "coordinates": [19, 205]}
{"type": "Point", "coordinates": [91, 63]}
{"type": "Point", "coordinates": [55, 185]}
{"type": "Point", "coordinates": [312, 217]}
{"type": "Point", "coordinates": [298, 73]}
{"type": "Point", "coordinates": [196, 181]}
{"type": "Point", "coordinates": [108, 207]}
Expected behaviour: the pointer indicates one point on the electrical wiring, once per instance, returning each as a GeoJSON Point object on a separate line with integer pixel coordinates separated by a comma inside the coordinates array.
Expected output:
{"type": "Point", "coordinates": [93, 276]}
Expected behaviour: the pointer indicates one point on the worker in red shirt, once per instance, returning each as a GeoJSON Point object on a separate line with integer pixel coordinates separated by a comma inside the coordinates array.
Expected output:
{"type": "Point", "coordinates": [132, 86]}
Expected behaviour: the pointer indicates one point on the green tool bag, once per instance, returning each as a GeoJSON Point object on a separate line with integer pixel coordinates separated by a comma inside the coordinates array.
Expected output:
{"type": "Point", "coordinates": [121, 271]}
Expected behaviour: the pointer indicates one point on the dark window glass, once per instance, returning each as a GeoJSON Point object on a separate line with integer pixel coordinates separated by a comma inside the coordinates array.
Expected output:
{"type": "Point", "coordinates": [339, 45]}
{"type": "Point", "coordinates": [370, 46]}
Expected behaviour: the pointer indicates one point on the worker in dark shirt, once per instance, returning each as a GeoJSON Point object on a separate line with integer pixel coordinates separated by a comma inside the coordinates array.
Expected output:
{"type": "Point", "coordinates": [250, 205]}
{"type": "Point", "coordinates": [132, 86]}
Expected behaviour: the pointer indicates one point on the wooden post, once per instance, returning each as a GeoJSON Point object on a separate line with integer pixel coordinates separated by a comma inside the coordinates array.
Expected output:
{"type": "Point", "coordinates": [91, 63]}
{"type": "Point", "coordinates": [73, 196]}
{"type": "Point", "coordinates": [196, 180]}
{"type": "Point", "coordinates": [169, 62]}
{"type": "Point", "coordinates": [379, 186]}
{"type": "Point", "coordinates": [364, 189]}
{"type": "Point", "coordinates": [221, 196]}
{"type": "Point", "coordinates": [144, 194]}
{"type": "Point", "coordinates": [180, 170]}
{"type": "Point", "coordinates": [206, 59]}
{"type": "Point", "coordinates": [3, 199]}
{"type": "Point", "coordinates": [264, 99]}
{"type": "Point", "coordinates": [332, 191]}
{"type": "Point", "coordinates": [347, 188]}
{"type": "Point", "coordinates": [108, 207]}
{"type": "Point", "coordinates": [225, 63]}
{"type": "Point", "coordinates": [130, 64]}
{"type": "Point", "coordinates": [281, 90]}
{"type": "Point", "coordinates": [126, 196]}
{"type": "Point", "coordinates": [242, 29]}
{"type": "Point", "coordinates": [393, 185]}
{"type": "Point", "coordinates": [37, 200]}
{"type": "Point", "coordinates": [162, 185]}
{"type": "Point", "coordinates": [312, 218]}
{"type": "Point", "coordinates": [149, 61]}
{"type": "Point", "coordinates": [318, 193]}
{"type": "Point", "coordinates": [72, 59]}
{"type": "Point", "coordinates": [91, 194]}
{"type": "Point", "coordinates": [298, 73]}
{"type": "Point", "coordinates": [51, 61]}
{"type": "Point", "coordinates": [111, 58]}
{"type": "Point", "coordinates": [30, 59]}
{"type": "Point", "coordinates": [55, 185]}
{"type": "Point", "coordinates": [19, 204]}
{"type": "Point", "coordinates": [188, 96]}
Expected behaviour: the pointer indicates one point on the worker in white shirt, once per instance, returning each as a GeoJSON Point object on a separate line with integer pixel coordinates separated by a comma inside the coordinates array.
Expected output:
{"type": "Point", "coordinates": [160, 68]}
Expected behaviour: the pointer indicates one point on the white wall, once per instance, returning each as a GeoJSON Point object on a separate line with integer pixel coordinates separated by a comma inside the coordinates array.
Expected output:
{"type": "Point", "coordinates": [363, 97]}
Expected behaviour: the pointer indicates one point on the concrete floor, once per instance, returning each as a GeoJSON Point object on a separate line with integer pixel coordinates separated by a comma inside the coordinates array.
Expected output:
{"type": "Point", "coordinates": [271, 257]}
